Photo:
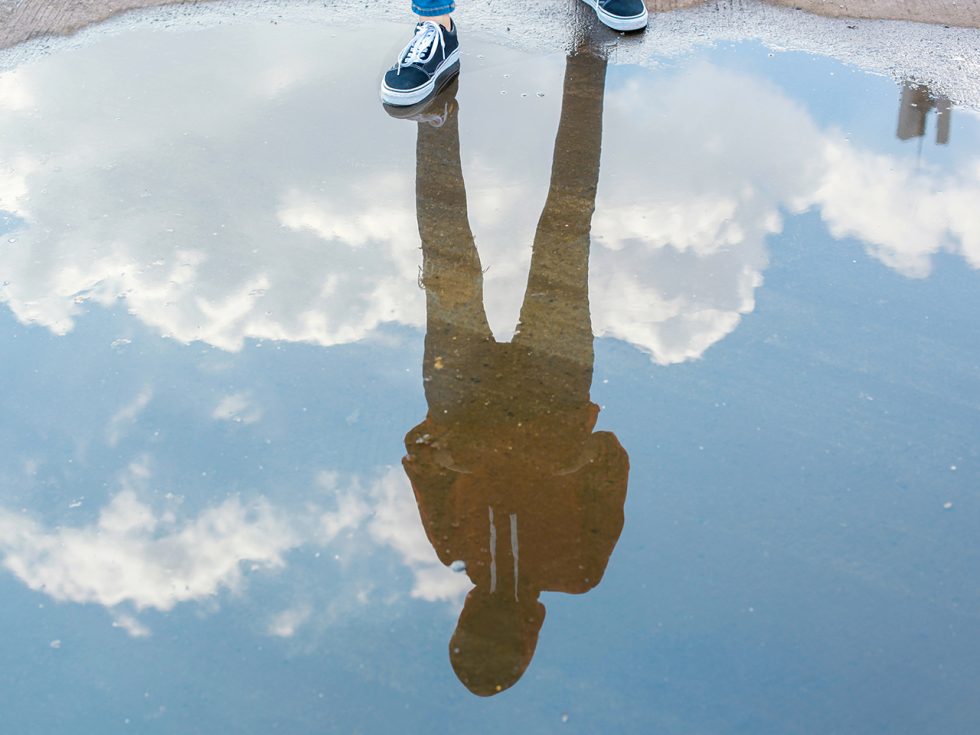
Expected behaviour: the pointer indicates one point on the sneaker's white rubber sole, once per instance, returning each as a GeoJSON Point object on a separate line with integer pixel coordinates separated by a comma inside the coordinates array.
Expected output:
{"type": "Point", "coordinates": [405, 97]}
{"type": "Point", "coordinates": [618, 23]}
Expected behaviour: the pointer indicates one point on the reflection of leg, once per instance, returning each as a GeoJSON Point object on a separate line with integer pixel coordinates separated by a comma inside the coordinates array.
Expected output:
{"type": "Point", "coordinates": [451, 272]}
{"type": "Point", "coordinates": [555, 316]}
{"type": "Point", "coordinates": [912, 111]}
{"type": "Point", "coordinates": [944, 109]}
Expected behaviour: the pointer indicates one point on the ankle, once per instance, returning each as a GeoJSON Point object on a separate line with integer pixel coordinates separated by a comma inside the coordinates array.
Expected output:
{"type": "Point", "coordinates": [446, 21]}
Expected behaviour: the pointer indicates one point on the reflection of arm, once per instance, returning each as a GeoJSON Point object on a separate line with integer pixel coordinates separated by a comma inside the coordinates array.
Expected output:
{"type": "Point", "coordinates": [603, 495]}
{"type": "Point", "coordinates": [431, 483]}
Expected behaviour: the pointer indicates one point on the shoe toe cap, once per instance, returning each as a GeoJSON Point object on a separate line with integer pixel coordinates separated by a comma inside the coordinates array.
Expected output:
{"type": "Point", "coordinates": [405, 79]}
{"type": "Point", "coordinates": [624, 8]}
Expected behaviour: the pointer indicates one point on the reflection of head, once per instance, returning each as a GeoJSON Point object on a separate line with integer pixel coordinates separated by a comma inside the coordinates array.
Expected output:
{"type": "Point", "coordinates": [494, 641]}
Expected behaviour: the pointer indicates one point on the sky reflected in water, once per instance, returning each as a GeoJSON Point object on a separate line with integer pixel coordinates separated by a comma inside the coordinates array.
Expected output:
{"type": "Point", "coordinates": [305, 426]}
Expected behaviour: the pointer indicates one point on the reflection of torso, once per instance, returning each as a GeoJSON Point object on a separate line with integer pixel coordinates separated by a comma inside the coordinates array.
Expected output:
{"type": "Point", "coordinates": [528, 496]}
{"type": "Point", "coordinates": [541, 533]}
{"type": "Point", "coordinates": [483, 385]}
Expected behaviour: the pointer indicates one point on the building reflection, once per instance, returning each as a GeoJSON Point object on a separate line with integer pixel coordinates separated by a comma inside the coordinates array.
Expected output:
{"type": "Point", "coordinates": [510, 477]}
{"type": "Point", "coordinates": [917, 102]}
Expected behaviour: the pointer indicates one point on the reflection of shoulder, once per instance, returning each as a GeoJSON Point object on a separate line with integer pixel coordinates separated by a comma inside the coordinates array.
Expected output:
{"type": "Point", "coordinates": [427, 476]}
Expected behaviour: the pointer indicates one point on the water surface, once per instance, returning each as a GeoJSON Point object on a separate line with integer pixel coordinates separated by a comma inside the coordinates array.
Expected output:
{"type": "Point", "coordinates": [321, 420]}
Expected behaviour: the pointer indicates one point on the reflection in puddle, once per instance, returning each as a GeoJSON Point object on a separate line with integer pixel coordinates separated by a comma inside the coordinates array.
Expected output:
{"type": "Point", "coordinates": [509, 476]}
{"type": "Point", "coordinates": [210, 230]}
{"type": "Point", "coordinates": [213, 340]}
{"type": "Point", "coordinates": [917, 102]}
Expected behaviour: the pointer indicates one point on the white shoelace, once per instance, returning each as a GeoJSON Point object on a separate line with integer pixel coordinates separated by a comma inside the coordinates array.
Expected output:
{"type": "Point", "coordinates": [427, 36]}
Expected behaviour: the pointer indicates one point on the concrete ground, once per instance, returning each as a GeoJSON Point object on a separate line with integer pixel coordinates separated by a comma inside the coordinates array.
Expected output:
{"type": "Point", "coordinates": [21, 20]}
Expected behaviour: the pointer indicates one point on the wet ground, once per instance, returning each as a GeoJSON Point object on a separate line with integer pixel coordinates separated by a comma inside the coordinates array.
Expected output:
{"type": "Point", "coordinates": [598, 397]}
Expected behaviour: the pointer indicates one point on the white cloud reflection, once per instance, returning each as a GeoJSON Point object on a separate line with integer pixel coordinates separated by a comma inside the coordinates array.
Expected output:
{"type": "Point", "coordinates": [237, 407]}
{"type": "Point", "coordinates": [285, 624]}
{"type": "Point", "coordinates": [395, 523]}
{"type": "Point", "coordinates": [14, 93]}
{"type": "Point", "coordinates": [386, 511]}
{"type": "Point", "coordinates": [135, 557]}
{"type": "Point", "coordinates": [126, 416]}
{"type": "Point", "coordinates": [131, 625]}
{"type": "Point", "coordinates": [903, 215]}
{"type": "Point", "coordinates": [239, 201]}
{"type": "Point", "coordinates": [693, 212]}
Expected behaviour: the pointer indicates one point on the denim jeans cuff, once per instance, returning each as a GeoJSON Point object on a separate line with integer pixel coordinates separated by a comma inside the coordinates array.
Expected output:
{"type": "Point", "coordinates": [430, 11]}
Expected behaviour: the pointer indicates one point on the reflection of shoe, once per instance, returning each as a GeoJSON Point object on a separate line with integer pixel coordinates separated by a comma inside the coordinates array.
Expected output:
{"type": "Point", "coordinates": [426, 64]}
{"type": "Point", "coordinates": [620, 15]}
{"type": "Point", "coordinates": [434, 111]}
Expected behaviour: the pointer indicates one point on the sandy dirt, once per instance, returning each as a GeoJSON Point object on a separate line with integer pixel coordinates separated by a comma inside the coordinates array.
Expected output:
{"type": "Point", "coordinates": [21, 20]}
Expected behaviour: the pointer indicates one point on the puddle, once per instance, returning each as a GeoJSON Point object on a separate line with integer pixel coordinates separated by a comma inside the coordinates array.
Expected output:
{"type": "Point", "coordinates": [639, 397]}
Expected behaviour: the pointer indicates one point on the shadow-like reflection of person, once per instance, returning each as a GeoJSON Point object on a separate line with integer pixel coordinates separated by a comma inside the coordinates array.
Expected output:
{"type": "Point", "coordinates": [509, 476]}
{"type": "Point", "coordinates": [917, 101]}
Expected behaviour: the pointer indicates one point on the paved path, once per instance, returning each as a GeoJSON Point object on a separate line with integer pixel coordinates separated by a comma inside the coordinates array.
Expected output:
{"type": "Point", "coordinates": [21, 20]}
{"type": "Point", "coordinates": [964, 13]}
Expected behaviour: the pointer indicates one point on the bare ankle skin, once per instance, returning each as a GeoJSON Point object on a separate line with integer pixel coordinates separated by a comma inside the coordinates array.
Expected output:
{"type": "Point", "coordinates": [446, 21]}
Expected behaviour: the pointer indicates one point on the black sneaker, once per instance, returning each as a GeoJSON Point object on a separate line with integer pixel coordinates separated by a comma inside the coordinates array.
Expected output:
{"type": "Point", "coordinates": [425, 65]}
{"type": "Point", "coordinates": [620, 15]}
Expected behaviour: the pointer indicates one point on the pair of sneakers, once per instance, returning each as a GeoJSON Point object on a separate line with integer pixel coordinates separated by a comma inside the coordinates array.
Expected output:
{"type": "Point", "coordinates": [431, 59]}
